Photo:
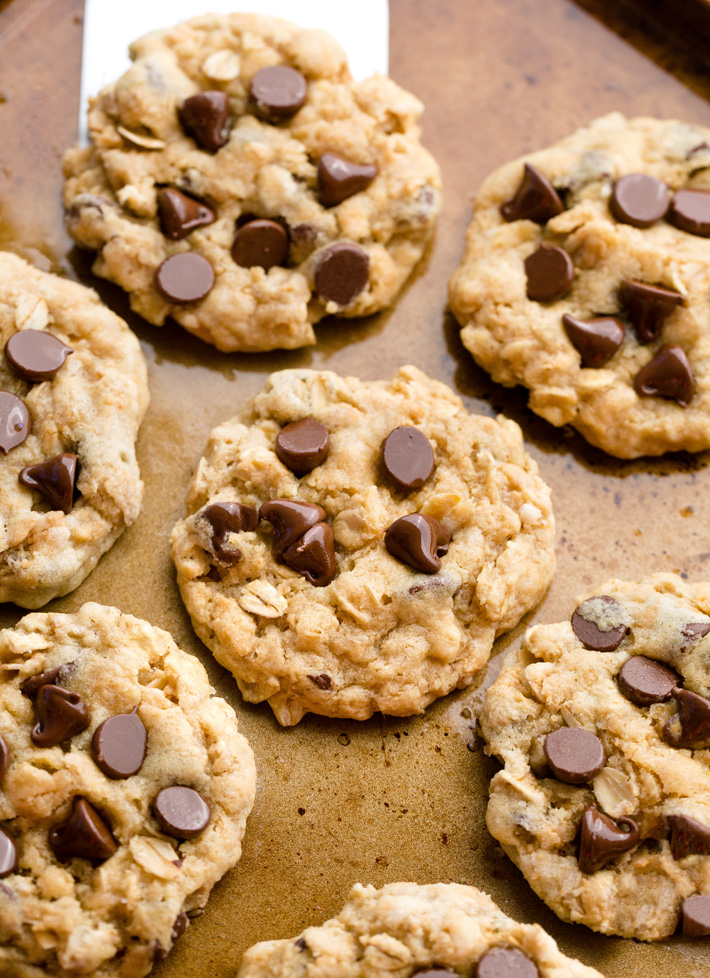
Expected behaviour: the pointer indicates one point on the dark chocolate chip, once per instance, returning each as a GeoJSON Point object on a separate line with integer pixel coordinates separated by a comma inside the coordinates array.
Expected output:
{"type": "Point", "coordinates": [204, 117]}
{"type": "Point", "coordinates": [277, 92]}
{"type": "Point", "coordinates": [300, 944]}
{"type": "Point", "coordinates": [596, 340]}
{"type": "Point", "coordinates": [690, 212]}
{"type": "Point", "coordinates": [53, 479]}
{"type": "Point", "coordinates": [575, 755]}
{"type": "Point", "coordinates": [181, 812]}
{"type": "Point", "coordinates": [550, 273]}
{"type": "Point", "coordinates": [313, 555]}
{"type": "Point", "coordinates": [8, 854]}
{"type": "Point", "coordinates": [688, 837]}
{"type": "Point", "coordinates": [506, 962]}
{"type": "Point", "coordinates": [260, 243]}
{"type": "Point", "coordinates": [639, 199]}
{"type": "Point", "coordinates": [648, 306]}
{"type": "Point", "coordinates": [342, 272]}
{"type": "Point", "coordinates": [224, 519]}
{"type": "Point", "coordinates": [35, 355]}
{"type": "Point", "coordinates": [340, 178]}
{"type": "Point", "coordinates": [695, 914]}
{"type": "Point", "coordinates": [290, 520]}
{"type": "Point", "coordinates": [57, 676]}
{"type": "Point", "coordinates": [535, 199]}
{"type": "Point", "coordinates": [602, 839]}
{"type": "Point", "coordinates": [690, 726]}
{"type": "Point", "coordinates": [84, 835]}
{"type": "Point", "coordinates": [4, 758]}
{"type": "Point", "coordinates": [14, 421]}
{"type": "Point", "coordinates": [645, 681]}
{"type": "Point", "coordinates": [302, 445]}
{"type": "Point", "coordinates": [588, 631]}
{"type": "Point", "coordinates": [60, 714]}
{"type": "Point", "coordinates": [407, 457]}
{"type": "Point", "coordinates": [185, 277]}
{"type": "Point", "coordinates": [419, 541]}
{"type": "Point", "coordinates": [668, 374]}
{"type": "Point", "coordinates": [180, 214]}
{"type": "Point", "coordinates": [692, 632]}
{"type": "Point", "coordinates": [322, 681]}
{"type": "Point", "coordinates": [119, 745]}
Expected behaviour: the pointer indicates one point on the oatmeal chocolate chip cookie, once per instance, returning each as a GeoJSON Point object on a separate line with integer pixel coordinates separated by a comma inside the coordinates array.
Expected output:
{"type": "Point", "coordinates": [125, 791]}
{"type": "Point", "coordinates": [241, 182]}
{"type": "Point", "coordinates": [602, 724]}
{"type": "Point", "coordinates": [352, 547]}
{"type": "Point", "coordinates": [443, 930]}
{"type": "Point", "coordinates": [586, 278]}
{"type": "Point", "coordinates": [73, 391]}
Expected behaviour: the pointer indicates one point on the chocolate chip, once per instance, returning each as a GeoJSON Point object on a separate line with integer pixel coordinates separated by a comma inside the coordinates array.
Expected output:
{"type": "Point", "coordinates": [645, 681]}
{"type": "Point", "coordinates": [224, 519]}
{"type": "Point", "coordinates": [693, 631]}
{"type": "Point", "coordinates": [690, 726]}
{"type": "Point", "coordinates": [322, 681]}
{"type": "Point", "coordinates": [35, 355]}
{"type": "Point", "coordinates": [342, 272]}
{"type": "Point", "coordinates": [550, 273]}
{"type": "Point", "coordinates": [8, 854]}
{"type": "Point", "coordinates": [119, 745]}
{"type": "Point", "coordinates": [603, 839]}
{"type": "Point", "coordinates": [313, 555]}
{"type": "Point", "coordinates": [506, 962]}
{"type": "Point", "coordinates": [340, 178]}
{"type": "Point", "coordinates": [4, 758]}
{"type": "Point", "coordinates": [290, 520]}
{"type": "Point", "coordinates": [180, 926]}
{"type": "Point", "coordinates": [57, 676]}
{"type": "Point", "coordinates": [204, 117]}
{"type": "Point", "coordinates": [260, 243]}
{"type": "Point", "coordinates": [535, 199]}
{"type": "Point", "coordinates": [668, 374]}
{"type": "Point", "coordinates": [302, 445]}
{"type": "Point", "coordinates": [14, 421]}
{"type": "Point", "coordinates": [603, 608]}
{"type": "Point", "coordinates": [185, 277]}
{"type": "Point", "coordinates": [180, 215]}
{"type": "Point", "coordinates": [407, 457]}
{"type": "Point", "coordinates": [419, 541]}
{"type": "Point", "coordinates": [639, 199]}
{"type": "Point", "coordinates": [181, 812]}
{"type": "Point", "coordinates": [435, 973]}
{"type": "Point", "coordinates": [60, 714]}
{"type": "Point", "coordinates": [84, 835]}
{"type": "Point", "coordinates": [53, 479]}
{"type": "Point", "coordinates": [575, 755]}
{"type": "Point", "coordinates": [277, 92]}
{"type": "Point", "coordinates": [648, 307]}
{"type": "Point", "coordinates": [300, 944]}
{"type": "Point", "coordinates": [695, 914]}
{"type": "Point", "coordinates": [688, 837]}
{"type": "Point", "coordinates": [596, 340]}
{"type": "Point", "coordinates": [690, 212]}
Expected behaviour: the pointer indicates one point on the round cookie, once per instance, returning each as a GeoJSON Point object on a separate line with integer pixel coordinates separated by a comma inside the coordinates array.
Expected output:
{"type": "Point", "coordinates": [586, 278]}
{"type": "Point", "coordinates": [73, 392]}
{"type": "Point", "coordinates": [443, 930]}
{"type": "Point", "coordinates": [602, 724]}
{"type": "Point", "coordinates": [101, 717]}
{"type": "Point", "coordinates": [243, 142]}
{"type": "Point", "coordinates": [355, 593]}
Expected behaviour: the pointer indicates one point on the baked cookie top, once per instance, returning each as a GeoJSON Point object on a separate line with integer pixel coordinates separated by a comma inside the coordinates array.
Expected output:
{"type": "Point", "coordinates": [125, 791]}
{"type": "Point", "coordinates": [602, 724]}
{"type": "Point", "coordinates": [351, 547]}
{"type": "Point", "coordinates": [443, 930]}
{"type": "Point", "coordinates": [241, 144]}
{"type": "Point", "coordinates": [73, 391]}
{"type": "Point", "coordinates": [586, 278]}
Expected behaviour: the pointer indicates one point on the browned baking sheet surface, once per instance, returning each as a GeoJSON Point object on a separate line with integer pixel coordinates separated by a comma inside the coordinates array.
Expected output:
{"type": "Point", "coordinates": [340, 802]}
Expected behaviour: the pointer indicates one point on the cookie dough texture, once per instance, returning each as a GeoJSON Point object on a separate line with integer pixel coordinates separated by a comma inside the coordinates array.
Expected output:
{"type": "Point", "coordinates": [404, 928]}
{"type": "Point", "coordinates": [554, 681]}
{"type": "Point", "coordinates": [519, 341]}
{"type": "Point", "coordinates": [92, 407]}
{"type": "Point", "coordinates": [264, 170]}
{"type": "Point", "coordinates": [386, 637]}
{"type": "Point", "coordinates": [71, 918]}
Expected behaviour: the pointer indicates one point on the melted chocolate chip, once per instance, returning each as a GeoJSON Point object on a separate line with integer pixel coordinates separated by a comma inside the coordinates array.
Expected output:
{"type": "Point", "coordinates": [574, 755]}
{"type": "Point", "coordinates": [535, 199]}
{"type": "Point", "coordinates": [695, 914]}
{"type": "Point", "coordinates": [8, 854]}
{"type": "Point", "coordinates": [4, 758]}
{"type": "Point", "coordinates": [645, 681]}
{"type": "Point", "coordinates": [181, 812]}
{"type": "Point", "coordinates": [322, 681]}
{"type": "Point", "coordinates": [690, 726]}
{"type": "Point", "coordinates": [57, 676]}
{"type": "Point", "coordinates": [313, 555]}
{"type": "Point", "coordinates": [435, 973]}
{"type": "Point", "coordinates": [290, 520]}
{"type": "Point", "coordinates": [407, 457]}
{"type": "Point", "coordinates": [588, 631]}
{"type": "Point", "coordinates": [277, 92]}
{"type": "Point", "coordinates": [53, 479]}
{"type": "Point", "coordinates": [260, 243]}
{"type": "Point", "coordinates": [14, 421]}
{"type": "Point", "coordinates": [84, 835]}
{"type": "Point", "coordinates": [119, 745]}
{"type": "Point", "coordinates": [302, 445]}
{"type": "Point", "coordinates": [648, 306]}
{"type": "Point", "coordinates": [180, 215]}
{"type": "Point", "coordinates": [550, 273]}
{"type": "Point", "coordinates": [506, 962]}
{"type": "Point", "coordinates": [690, 212]}
{"type": "Point", "coordinates": [668, 374]}
{"type": "Point", "coordinates": [692, 632]}
{"type": "Point", "coordinates": [185, 277]}
{"type": "Point", "coordinates": [596, 340]}
{"type": "Point", "coordinates": [342, 272]}
{"type": "Point", "coordinates": [204, 117]}
{"type": "Point", "coordinates": [60, 714]}
{"type": "Point", "coordinates": [35, 355]}
{"type": "Point", "coordinates": [224, 519]}
{"type": "Point", "coordinates": [340, 178]}
{"type": "Point", "coordinates": [419, 541]}
{"type": "Point", "coordinates": [639, 199]}
{"type": "Point", "coordinates": [688, 837]}
{"type": "Point", "coordinates": [602, 839]}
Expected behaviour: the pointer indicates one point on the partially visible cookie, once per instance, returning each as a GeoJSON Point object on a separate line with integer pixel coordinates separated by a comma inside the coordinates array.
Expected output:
{"type": "Point", "coordinates": [241, 182]}
{"type": "Point", "coordinates": [586, 278]}
{"type": "Point", "coordinates": [602, 724]}
{"type": "Point", "coordinates": [73, 392]}
{"type": "Point", "coordinates": [125, 791]}
{"type": "Point", "coordinates": [443, 930]}
{"type": "Point", "coordinates": [351, 547]}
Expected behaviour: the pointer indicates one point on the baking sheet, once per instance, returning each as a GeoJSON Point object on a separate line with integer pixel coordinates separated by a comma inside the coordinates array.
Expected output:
{"type": "Point", "coordinates": [390, 799]}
